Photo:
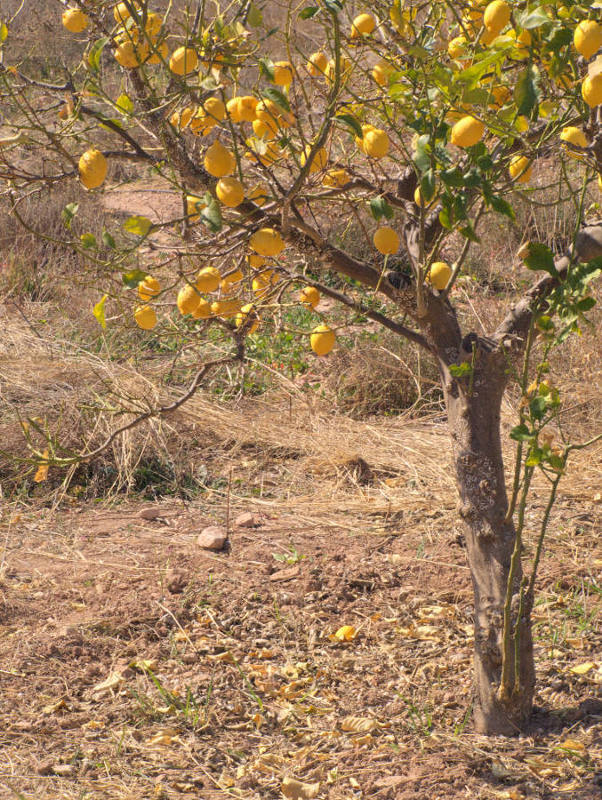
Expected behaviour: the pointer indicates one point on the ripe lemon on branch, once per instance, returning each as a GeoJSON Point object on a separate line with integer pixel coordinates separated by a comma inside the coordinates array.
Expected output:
{"type": "Point", "coordinates": [145, 317]}
{"type": "Point", "coordinates": [92, 168]}
{"type": "Point", "coordinates": [386, 240]}
{"type": "Point", "coordinates": [75, 21]}
{"type": "Point", "coordinates": [267, 242]}
{"type": "Point", "coordinates": [439, 275]}
{"type": "Point", "coordinates": [322, 340]}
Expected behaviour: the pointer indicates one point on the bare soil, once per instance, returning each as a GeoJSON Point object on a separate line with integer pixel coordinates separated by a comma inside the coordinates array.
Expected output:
{"type": "Point", "coordinates": [134, 664]}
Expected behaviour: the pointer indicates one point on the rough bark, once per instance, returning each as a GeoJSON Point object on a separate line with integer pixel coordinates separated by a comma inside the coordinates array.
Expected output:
{"type": "Point", "coordinates": [474, 419]}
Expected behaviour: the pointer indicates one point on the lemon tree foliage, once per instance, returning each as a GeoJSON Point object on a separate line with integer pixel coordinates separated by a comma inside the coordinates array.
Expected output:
{"type": "Point", "coordinates": [410, 124]}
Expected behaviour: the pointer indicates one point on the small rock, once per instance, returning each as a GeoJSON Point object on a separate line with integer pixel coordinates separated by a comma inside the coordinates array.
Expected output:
{"type": "Point", "coordinates": [246, 520]}
{"type": "Point", "coordinates": [212, 538]}
{"type": "Point", "coordinates": [152, 512]}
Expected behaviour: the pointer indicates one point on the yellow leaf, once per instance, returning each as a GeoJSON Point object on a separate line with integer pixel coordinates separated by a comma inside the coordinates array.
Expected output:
{"type": "Point", "coordinates": [164, 738]}
{"type": "Point", "coordinates": [572, 744]}
{"type": "Point", "coordinates": [144, 664]}
{"type": "Point", "coordinates": [345, 634]}
{"type": "Point", "coordinates": [297, 790]}
{"type": "Point", "coordinates": [257, 720]}
{"type": "Point", "coordinates": [94, 725]}
{"type": "Point", "coordinates": [582, 669]}
{"type": "Point", "coordinates": [42, 471]}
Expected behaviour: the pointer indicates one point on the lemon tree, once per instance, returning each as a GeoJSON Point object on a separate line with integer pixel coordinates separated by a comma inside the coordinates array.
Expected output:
{"type": "Point", "coordinates": [412, 126]}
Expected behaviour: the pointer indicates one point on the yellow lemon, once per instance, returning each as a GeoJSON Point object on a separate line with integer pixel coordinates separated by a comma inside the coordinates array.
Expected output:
{"type": "Point", "coordinates": [208, 279]}
{"type": "Point", "coordinates": [587, 38]}
{"type": "Point", "coordinates": [576, 137]}
{"type": "Point", "coordinates": [129, 55]}
{"type": "Point", "coordinates": [263, 130]}
{"type": "Point", "coordinates": [230, 192]}
{"type": "Point", "coordinates": [218, 160]}
{"type": "Point", "coordinates": [267, 242]}
{"type": "Point", "coordinates": [322, 340]}
{"type": "Point", "coordinates": [345, 65]}
{"type": "Point", "coordinates": [591, 89]}
{"type": "Point", "coordinates": [234, 109]}
{"type": "Point", "coordinates": [245, 314]}
{"type": "Point", "coordinates": [148, 288]}
{"type": "Point", "coordinates": [255, 261]}
{"type": "Point", "coordinates": [203, 310]}
{"type": "Point", "coordinates": [376, 143]}
{"type": "Point", "coordinates": [229, 281]}
{"type": "Point", "coordinates": [520, 169]}
{"type": "Point", "coordinates": [419, 199]}
{"type": "Point", "coordinates": [92, 168]}
{"type": "Point", "coordinates": [162, 51]}
{"type": "Point", "coordinates": [457, 47]}
{"type": "Point", "coordinates": [188, 299]}
{"type": "Point", "coordinates": [439, 275]}
{"type": "Point", "coordinates": [283, 73]}
{"type": "Point", "coordinates": [226, 309]}
{"type": "Point", "coordinates": [381, 72]}
{"type": "Point", "coordinates": [336, 178]}
{"type": "Point", "coordinates": [75, 21]}
{"type": "Point", "coordinates": [181, 119]}
{"type": "Point", "coordinates": [386, 240]}
{"type": "Point", "coordinates": [269, 112]}
{"type": "Point", "coordinates": [496, 16]}
{"type": "Point", "coordinates": [183, 61]}
{"type": "Point", "coordinates": [259, 194]}
{"type": "Point", "coordinates": [316, 64]}
{"type": "Point", "coordinates": [320, 159]}
{"type": "Point", "coordinates": [145, 317]}
{"type": "Point", "coordinates": [121, 12]}
{"type": "Point", "coordinates": [309, 296]}
{"type": "Point", "coordinates": [362, 25]}
{"type": "Point", "coordinates": [467, 132]}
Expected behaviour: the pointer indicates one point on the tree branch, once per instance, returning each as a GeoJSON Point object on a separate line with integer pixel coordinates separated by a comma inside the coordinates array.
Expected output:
{"type": "Point", "coordinates": [588, 245]}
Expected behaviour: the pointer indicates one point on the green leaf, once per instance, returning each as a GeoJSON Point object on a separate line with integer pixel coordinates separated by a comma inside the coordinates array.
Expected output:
{"type": "Point", "coordinates": [96, 52]}
{"type": "Point", "coordinates": [538, 407]}
{"type": "Point", "coordinates": [334, 6]}
{"type": "Point", "coordinates": [545, 323]}
{"type": "Point", "coordinates": [68, 213]}
{"type": "Point", "coordinates": [108, 240]}
{"type": "Point", "coordinates": [266, 67]}
{"type": "Point", "coordinates": [254, 16]}
{"type": "Point", "coordinates": [540, 257]}
{"type": "Point", "coordinates": [88, 240]}
{"type": "Point", "coordinates": [140, 226]}
{"type": "Point", "coordinates": [350, 122]}
{"type": "Point", "coordinates": [586, 304]}
{"type": "Point", "coordinates": [452, 177]}
{"type": "Point", "coordinates": [460, 370]}
{"type": "Point", "coordinates": [428, 186]}
{"type": "Point", "coordinates": [468, 232]}
{"type": "Point", "coordinates": [3, 32]}
{"type": "Point", "coordinates": [520, 433]}
{"type": "Point", "coordinates": [276, 96]}
{"type": "Point", "coordinates": [533, 19]}
{"type": "Point", "coordinates": [502, 207]}
{"type": "Point", "coordinates": [380, 208]}
{"type": "Point", "coordinates": [99, 311]}
{"type": "Point", "coordinates": [534, 458]}
{"type": "Point", "coordinates": [527, 92]}
{"type": "Point", "coordinates": [124, 103]}
{"type": "Point", "coordinates": [308, 12]}
{"type": "Point", "coordinates": [132, 279]}
{"type": "Point", "coordinates": [211, 215]}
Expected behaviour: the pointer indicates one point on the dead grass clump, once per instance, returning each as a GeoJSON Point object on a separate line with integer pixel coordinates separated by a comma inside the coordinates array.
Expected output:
{"type": "Point", "coordinates": [383, 375]}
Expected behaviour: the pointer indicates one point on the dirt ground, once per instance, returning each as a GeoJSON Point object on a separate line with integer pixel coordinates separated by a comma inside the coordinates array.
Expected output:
{"type": "Point", "coordinates": [136, 665]}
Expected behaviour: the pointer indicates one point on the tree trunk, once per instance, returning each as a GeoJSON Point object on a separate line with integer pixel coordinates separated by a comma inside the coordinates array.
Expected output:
{"type": "Point", "coordinates": [474, 419]}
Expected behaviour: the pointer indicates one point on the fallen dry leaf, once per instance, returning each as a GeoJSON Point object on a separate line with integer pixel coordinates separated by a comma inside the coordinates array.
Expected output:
{"type": "Point", "coordinates": [297, 790]}
{"type": "Point", "coordinates": [582, 669]}
{"type": "Point", "coordinates": [346, 633]}
{"type": "Point", "coordinates": [114, 681]}
{"type": "Point", "coordinates": [353, 724]}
